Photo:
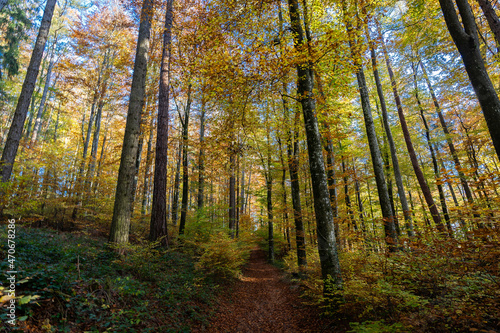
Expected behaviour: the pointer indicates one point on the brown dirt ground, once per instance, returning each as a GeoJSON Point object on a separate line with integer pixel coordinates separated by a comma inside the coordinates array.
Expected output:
{"type": "Point", "coordinates": [262, 301]}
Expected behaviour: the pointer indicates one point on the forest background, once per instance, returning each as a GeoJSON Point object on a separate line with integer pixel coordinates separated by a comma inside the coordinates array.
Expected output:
{"type": "Point", "coordinates": [356, 140]}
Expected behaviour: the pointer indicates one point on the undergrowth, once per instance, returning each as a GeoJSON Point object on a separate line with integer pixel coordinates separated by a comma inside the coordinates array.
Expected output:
{"type": "Point", "coordinates": [73, 283]}
{"type": "Point", "coordinates": [433, 285]}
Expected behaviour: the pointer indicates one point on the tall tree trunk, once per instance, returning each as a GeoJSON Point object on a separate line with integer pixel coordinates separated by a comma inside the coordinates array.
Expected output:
{"type": "Point", "coordinates": [442, 197]}
{"type": "Point", "coordinates": [185, 169]}
{"type": "Point", "coordinates": [38, 120]}
{"type": "Point", "coordinates": [201, 157]}
{"type": "Point", "coordinates": [293, 167]}
{"type": "Point", "coordinates": [120, 224]}
{"type": "Point", "coordinates": [409, 145]}
{"type": "Point", "coordinates": [390, 139]}
{"type": "Point", "coordinates": [232, 192]}
{"type": "Point", "coordinates": [327, 246]}
{"type": "Point", "coordinates": [145, 184]}
{"type": "Point", "coordinates": [16, 127]}
{"type": "Point", "coordinates": [332, 186]}
{"type": "Point", "coordinates": [378, 165]}
{"type": "Point", "coordinates": [451, 146]}
{"type": "Point", "coordinates": [347, 198]}
{"type": "Point", "coordinates": [464, 34]}
{"type": "Point", "coordinates": [269, 188]}
{"type": "Point", "coordinates": [177, 182]}
{"type": "Point", "coordinates": [491, 17]}
{"type": "Point", "coordinates": [95, 144]}
{"type": "Point", "coordinates": [158, 224]}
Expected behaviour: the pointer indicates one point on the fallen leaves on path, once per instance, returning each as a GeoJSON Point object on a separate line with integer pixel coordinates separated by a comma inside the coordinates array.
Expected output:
{"type": "Point", "coordinates": [261, 301]}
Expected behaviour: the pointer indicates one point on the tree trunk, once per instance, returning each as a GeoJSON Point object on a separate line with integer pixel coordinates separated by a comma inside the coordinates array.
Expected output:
{"type": "Point", "coordinates": [145, 185]}
{"type": "Point", "coordinates": [120, 224]}
{"type": "Point", "coordinates": [451, 146]}
{"type": "Point", "coordinates": [390, 140]}
{"type": "Point", "coordinates": [38, 120]}
{"type": "Point", "coordinates": [158, 223]}
{"type": "Point", "coordinates": [16, 127]}
{"type": "Point", "coordinates": [332, 186]}
{"type": "Point", "coordinates": [269, 187]}
{"type": "Point", "coordinates": [293, 167]}
{"type": "Point", "coordinates": [409, 145]}
{"type": "Point", "coordinates": [327, 246]}
{"type": "Point", "coordinates": [185, 169]}
{"type": "Point", "coordinates": [464, 35]}
{"type": "Point", "coordinates": [201, 158]}
{"type": "Point", "coordinates": [442, 197]}
{"type": "Point", "coordinates": [232, 192]}
{"type": "Point", "coordinates": [491, 17]}
{"type": "Point", "coordinates": [347, 198]}
{"type": "Point", "coordinates": [177, 182]}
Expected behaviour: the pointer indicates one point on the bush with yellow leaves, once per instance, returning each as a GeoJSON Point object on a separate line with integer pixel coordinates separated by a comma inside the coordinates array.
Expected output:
{"type": "Point", "coordinates": [222, 257]}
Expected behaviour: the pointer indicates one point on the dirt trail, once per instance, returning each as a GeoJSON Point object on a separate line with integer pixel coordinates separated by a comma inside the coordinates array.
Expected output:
{"type": "Point", "coordinates": [262, 302]}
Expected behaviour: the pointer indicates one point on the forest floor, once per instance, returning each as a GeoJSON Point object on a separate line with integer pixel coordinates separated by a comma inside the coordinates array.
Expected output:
{"type": "Point", "coordinates": [263, 301]}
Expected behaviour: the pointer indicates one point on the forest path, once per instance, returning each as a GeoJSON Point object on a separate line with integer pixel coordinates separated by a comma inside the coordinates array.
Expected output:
{"type": "Point", "coordinates": [261, 301]}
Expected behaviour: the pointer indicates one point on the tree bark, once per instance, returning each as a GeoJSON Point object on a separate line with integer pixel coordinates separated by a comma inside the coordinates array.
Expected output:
{"type": "Point", "coordinates": [16, 127]}
{"type": "Point", "coordinates": [378, 165]}
{"type": "Point", "coordinates": [38, 120]}
{"type": "Point", "coordinates": [158, 223]}
{"type": "Point", "coordinates": [491, 17]}
{"type": "Point", "coordinates": [327, 246]}
{"type": "Point", "coordinates": [120, 225]}
{"type": "Point", "coordinates": [177, 182]}
{"type": "Point", "coordinates": [464, 34]}
{"type": "Point", "coordinates": [442, 197]}
{"type": "Point", "coordinates": [232, 192]}
{"type": "Point", "coordinates": [390, 140]}
{"type": "Point", "coordinates": [185, 169]}
{"type": "Point", "coordinates": [201, 158]}
{"type": "Point", "coordinates": [449, 141]}
{"type": "Point", "coordinates": [409, 145]}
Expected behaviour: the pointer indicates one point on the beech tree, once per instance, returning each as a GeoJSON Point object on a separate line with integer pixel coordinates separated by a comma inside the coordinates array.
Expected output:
{"type": "Point", "coordinates": [327, 245]}
{"type": "Point", "coordinates": [16, 127]}
{"type": "Point", "coordinates": [464, 34]}
{"type": "Point", "coordinates": [158, 226]}
{"type": "Point", "coordinates": [120, 224]}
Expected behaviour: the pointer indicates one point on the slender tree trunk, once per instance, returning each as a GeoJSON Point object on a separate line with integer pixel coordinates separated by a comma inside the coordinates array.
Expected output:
{"type": "Point", "coordinates": [332, 186]}
{"type": "Point", "coordinates": [409, 145]}
{"type": "Point", "coordinates": [38, 120]}
{"type": "Point", "coordinates": [269, 187]}
{"type": "Point", "coordinates": [378, 167]}
{"type": "Point", "coordinates": [120, 224]}
{"type": "Point", "coordinates": [145, 183]}
{"type": "Point", "coordinates": [327, 246]}
{"type": "Point", "coordinates": [185, 169]}
{"type": "Point", "coordinates": [347, 198]}
{"type": "Point", "coordinates": [95, 144]}
{"type": "Point", "coordinates": [451, 146]}
{"type": "Point", "coordinates": [293, 167]}
{"type": "Point", "coordinates": [464, 34]}
{"type": "Point", "coordinates": [491, 17]}
{"type": "Point", "coordinates": [390, 140]}
{"type": "Point", "coordinates": [16, 127]}
{"type": "Point", "coordinates": [158, 223]}
{"type": "Point", "coordinates": [442, 197]}
{"type": "Point", "coordinates": [232, 194]}
{"type": "Point", "coordinates": [177, 181]}
{"type": "Point", "coordinates": [201, 158]}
